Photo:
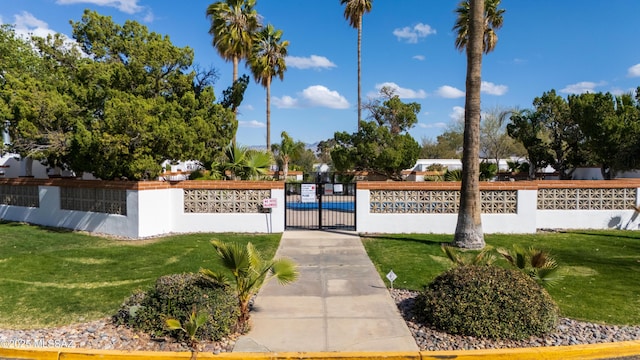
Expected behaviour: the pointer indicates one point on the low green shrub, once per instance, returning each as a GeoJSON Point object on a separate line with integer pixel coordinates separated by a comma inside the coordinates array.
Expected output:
{"type": "Point", "coordinates": [177, 297]}
{"type": "Point", "coordinates": [487, 301]}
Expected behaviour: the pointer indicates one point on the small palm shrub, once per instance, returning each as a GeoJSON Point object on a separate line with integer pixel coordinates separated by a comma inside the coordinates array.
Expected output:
{"type": "Point", "coordinates": [538, 264]}
{"type": "Point", "coordinates": [487, 301]}
{"type": "Point", "coordinates": [177, 297]}
{"type": "Point", "coordinates": [453, 175]}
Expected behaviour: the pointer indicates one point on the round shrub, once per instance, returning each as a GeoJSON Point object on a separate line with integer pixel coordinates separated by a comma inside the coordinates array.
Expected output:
{"type": "Point", "coordinates": [488, 301]}
{"type": "Point", "coordinates": [177, 296]}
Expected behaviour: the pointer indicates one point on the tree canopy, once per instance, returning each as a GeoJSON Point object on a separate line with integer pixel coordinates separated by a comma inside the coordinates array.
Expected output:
{"type": "Point", "coordinates": [382, 146]}
{"type": "Point", "coordinates": [119, 107]}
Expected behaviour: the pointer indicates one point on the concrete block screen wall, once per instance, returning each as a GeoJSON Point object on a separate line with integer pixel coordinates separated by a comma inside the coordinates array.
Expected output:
{"type": "Point", "coordinates": [151, 208]}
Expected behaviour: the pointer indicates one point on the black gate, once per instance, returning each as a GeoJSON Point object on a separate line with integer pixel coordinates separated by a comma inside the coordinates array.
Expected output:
{"type": "Point", "coordinates": [318, 206]}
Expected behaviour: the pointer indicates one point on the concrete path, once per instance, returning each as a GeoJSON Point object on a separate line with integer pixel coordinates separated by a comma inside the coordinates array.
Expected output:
{"type": "Point", "coordinates": [339, 302]}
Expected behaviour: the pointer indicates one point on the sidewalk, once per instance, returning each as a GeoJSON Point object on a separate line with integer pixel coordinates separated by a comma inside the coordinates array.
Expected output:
{"type": "Point", "coordinates": [339, 302]}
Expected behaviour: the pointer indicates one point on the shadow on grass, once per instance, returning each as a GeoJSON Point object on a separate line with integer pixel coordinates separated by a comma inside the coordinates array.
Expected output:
{"type": "Point", "coordinates": [39, 227]}
{"type": "Point", "coordinates": [427, 242]}
{"type": "Point", "coordinates": [621, 234]}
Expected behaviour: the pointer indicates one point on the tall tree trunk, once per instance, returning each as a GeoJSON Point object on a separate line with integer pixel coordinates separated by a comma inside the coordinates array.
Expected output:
{"type": "Point", "coordinates": [268, 114]}
{"type": "Point", "coordinates": [235, 111]}
{"type": "Point", "coordinates": [469, 233]}
{"type": "Point", "coordinates": [359, 72]}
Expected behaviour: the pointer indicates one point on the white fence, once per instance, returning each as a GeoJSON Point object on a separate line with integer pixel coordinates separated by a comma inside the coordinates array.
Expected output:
{"type": "Point", "coordinates": [145, 209]}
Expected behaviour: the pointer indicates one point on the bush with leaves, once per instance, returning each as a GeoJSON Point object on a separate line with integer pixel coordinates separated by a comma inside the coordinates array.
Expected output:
{"type": "Point", "coordinates": [489, 302]}
{"type": "Point", "coordinates": [177, 297]}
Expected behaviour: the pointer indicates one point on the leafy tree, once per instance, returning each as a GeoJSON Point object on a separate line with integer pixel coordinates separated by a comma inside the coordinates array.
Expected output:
{"type": "Point", "coordinates": [374, 149]}
{"type": "Point", "coordinates": [250, 271]}
{"type": "Point", "coordinates": [472, 31]}
{"type": "Point", "coordinates": [495, 143]}
{"type": "Point", "coordinates": [611, 126]}
{"type": "Point", "coordinates": [266, 61]}
{"type": "Point", "coordinates": [354, 11]}
{"type": "Point", "coordinates": [392, 112]}
{"type": "Point", "coordinates": [324, 150]}
{"type": "Point", "coordinates": [382, 146]}
{"type": "Point", "coordinates": [525, 127]}
{"type": "Point", "coordinates": [286, 150]}
{"type": "Point", "coordinates": [447, 145]}
{"type": "Point", "coordinates": [139, 103]}
{"type": "Point", "coordinates": [36, 95]}
{"type": "Point", "coordinates": [233, 95]}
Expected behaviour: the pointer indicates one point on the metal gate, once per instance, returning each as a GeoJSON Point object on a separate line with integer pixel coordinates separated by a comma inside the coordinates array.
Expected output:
{"type": "Point", "coordinates": [318, 206]}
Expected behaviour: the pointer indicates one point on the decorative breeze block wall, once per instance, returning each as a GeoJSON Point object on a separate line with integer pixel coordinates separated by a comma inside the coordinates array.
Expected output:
{"type": "Point", "coordinates": [439, 201]}
{"type": "Point", "coordinates": [224, 200]}
{"type": "Point", "coordinates": [586, 199]}
{"type": "Point", "coordinates": [27, 196]}
{"type": "Point", "coordinates": [109, 201]}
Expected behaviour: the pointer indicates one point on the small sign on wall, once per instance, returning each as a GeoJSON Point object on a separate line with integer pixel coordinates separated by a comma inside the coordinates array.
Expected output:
{"type": "Point", "coordinates": [269, 203]}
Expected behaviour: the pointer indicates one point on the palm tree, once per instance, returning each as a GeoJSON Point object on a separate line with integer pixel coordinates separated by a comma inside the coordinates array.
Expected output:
{"type": "Point", "coordinates": [285, 150]}
{"type": "Point", "coordinates": [354, 11]}
{"type": "Point", "coordinates": [469, 227]}
{"type": "Point", "coordinates": [233, 24]}
{"type": "Point", "coordinates": [492, 22]}
{"type": "Point", "coordinates": [266, 61]}
{"type": "Point", "coordinates": [250, 271]}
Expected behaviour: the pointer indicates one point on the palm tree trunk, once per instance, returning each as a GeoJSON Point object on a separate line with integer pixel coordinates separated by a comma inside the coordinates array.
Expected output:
{"type": "Point", "coordinates": [359, 72]}
{"type": "Point", "coordinates": [469, 227]}
{"type": "Point", "coordinates": [235, 111]}
{"type": "Point", "coordinates": [268, 114]}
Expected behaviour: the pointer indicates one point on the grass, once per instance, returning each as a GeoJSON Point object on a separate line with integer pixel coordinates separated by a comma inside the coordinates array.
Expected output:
{"type": "Point", "coordinates": [601, 268]}
{"type": "Point", "coordinates": [52, 277]}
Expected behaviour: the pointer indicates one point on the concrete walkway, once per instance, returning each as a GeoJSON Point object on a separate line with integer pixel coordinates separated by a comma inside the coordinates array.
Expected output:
{"type": "Point", "coordinates": [339, 302]}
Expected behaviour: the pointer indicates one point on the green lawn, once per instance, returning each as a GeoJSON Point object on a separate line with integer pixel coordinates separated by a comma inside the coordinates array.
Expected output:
{"type": "Point", "coordinates": [51, 277]}
{"type": "Point", "coordinates": [601, 268]}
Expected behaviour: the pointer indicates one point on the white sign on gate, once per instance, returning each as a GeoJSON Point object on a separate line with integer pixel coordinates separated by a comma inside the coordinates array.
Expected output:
{"type": "Point", "coordinates": [308, 193]}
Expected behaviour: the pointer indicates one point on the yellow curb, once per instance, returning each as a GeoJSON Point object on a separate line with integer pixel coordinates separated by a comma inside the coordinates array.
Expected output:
{"type": "Point", "coordinates": [595, 351]}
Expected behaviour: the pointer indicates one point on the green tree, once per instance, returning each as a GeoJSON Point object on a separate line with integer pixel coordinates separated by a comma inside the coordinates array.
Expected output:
{"type": "Point", "coordinates": [611, 125]}
{"type": "Point", "coordinates": [526, 128]}
{"type": "Point", "coordinates": [250, 270]}
{"type": "Point", "coordinates": [382, 146]}
{"type": "Point", "coordinates": [233, 24]}
{"type": "Point", "coordinates": [266, 61]}
{"type": "Point", "coordinates": [286, 150]}
{"type": "Point", "coordinates": [139, 103]}
{"type": "Point", "coordinates": [468, 232]}
{"type": "Point", "coordinates": [354, 11]}
{"type": "Point", "coordinates": [36, 95]}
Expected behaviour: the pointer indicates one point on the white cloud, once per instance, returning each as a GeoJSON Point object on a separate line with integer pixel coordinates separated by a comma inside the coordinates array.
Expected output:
{"type": "Point", "coordinates": [449, 92]}
{"type": "Point", "coordinates": [581, 87]}
{"type": "Point", "coordinates": [311, 62]}
{"type": "Point", "coordinates": [634, 71]}
{"type": "Point", "coordinates": [285, 102]}
{"type": "Point", "coordinates": [126, 6]}
{"type": "Point", "coordinates": [419, 57]}
{"type": "Point", "coordinates": [493, 89]}
{"type": "Point", "coordinates": [318, 95]}
{"type": "Point", "coordinates": [313, 96]}
{"type": "Point", "coordinates": [412, 35]}
{"type": "Point", "coordinates": [457, 113]}
{"type": "Point", "coordinates": [403, 93]}
{"type": "Point", "coordinates": [438, 125]}
{"type": "Point", "coordinates": [26, 25]}
{"type": "Point", "coordinates": [251, 124]}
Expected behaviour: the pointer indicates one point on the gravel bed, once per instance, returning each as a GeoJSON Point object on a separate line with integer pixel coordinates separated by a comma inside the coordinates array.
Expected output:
{"type": "Point", "coordinates": [569, 332]}
{"type": "Point", "coordinates": [103, 334]}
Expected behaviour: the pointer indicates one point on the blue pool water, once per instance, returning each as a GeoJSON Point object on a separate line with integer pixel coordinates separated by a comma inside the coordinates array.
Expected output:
{"type": "Point", "coordinates": [347, 206]}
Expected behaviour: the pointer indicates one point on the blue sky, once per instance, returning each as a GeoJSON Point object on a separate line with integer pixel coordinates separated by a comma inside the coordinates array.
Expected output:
{"type": "Point", "coordinates": [568, 45]}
